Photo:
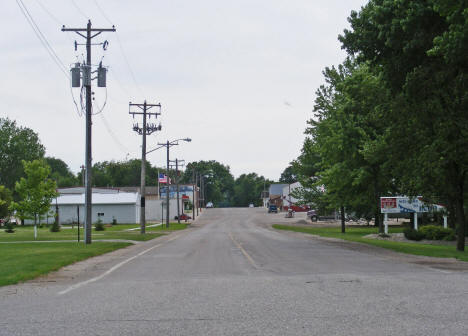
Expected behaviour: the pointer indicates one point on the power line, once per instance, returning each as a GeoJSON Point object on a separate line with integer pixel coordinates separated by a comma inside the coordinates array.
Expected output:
{"type": "Point", "coordinates": [41, 37]}
{"type": "Point", "coordinates": [79, 10]}
{"type": "Point", "coordinates": [102, 12]}
{"type": "Point", "coordinates": [121, 48]}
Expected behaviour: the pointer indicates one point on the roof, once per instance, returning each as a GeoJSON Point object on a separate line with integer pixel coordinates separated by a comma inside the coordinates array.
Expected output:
{"type": "Point", "coordinates": [81, 190]}
{"type": "Point", "coordinates": [149, 190]}
{"type": "Point", "coordinates": [97, 198]}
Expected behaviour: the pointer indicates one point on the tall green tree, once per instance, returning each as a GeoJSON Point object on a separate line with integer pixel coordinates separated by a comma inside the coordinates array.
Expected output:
{"type": "Point", "coordinates": [16, 144]}
{"type": "Point", "coordinates": [248, 189]}
{"type": "Point", "coordinates": [288, 175]}
{"type": "Point", "coordinates": [5, 202]}
{"type": "Point", "coordinates": [61, 173]}
{"type": "Point", "coordinates": [36, 191]}
{"type": "Point", "coordinates": [218, 180]}
{"type": "Point", "coordinates": [420, 49]}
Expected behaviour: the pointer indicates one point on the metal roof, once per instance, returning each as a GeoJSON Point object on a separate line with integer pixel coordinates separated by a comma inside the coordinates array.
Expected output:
{"type": "Point", "coordinates": [97, 198]}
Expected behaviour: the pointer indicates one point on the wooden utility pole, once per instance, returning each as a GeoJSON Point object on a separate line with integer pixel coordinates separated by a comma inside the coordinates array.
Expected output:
{"type": "Point", "coordinates": [147, 129]}
{"type": "Point", "coordinates": [86, 73]}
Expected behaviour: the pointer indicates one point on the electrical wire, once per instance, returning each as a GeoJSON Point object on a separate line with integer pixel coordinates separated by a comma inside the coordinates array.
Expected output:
{"type": "Point", "coordinates": [123, 148]}
{"type": "Point", "coordinates": [79, 10]}
{"type": "Point", "coordinates": [132, 74]}
{"type": "Point", "coordinates": [42, 38]}
{"type": "Point", "coordinates": [102, 12]}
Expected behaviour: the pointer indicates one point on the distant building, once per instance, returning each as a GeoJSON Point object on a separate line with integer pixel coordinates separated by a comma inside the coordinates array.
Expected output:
{"type": "Point", "coordinates": [276, 194]}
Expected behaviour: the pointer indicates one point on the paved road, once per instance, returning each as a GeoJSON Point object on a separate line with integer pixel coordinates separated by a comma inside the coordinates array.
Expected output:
{"type": "Point", "coordinates": [231, 275]}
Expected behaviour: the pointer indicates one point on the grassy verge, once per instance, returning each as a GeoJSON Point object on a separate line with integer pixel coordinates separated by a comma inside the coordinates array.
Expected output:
{"type": "Point", "coordinates": [356, 234]}
{"type": "Point", "coordinates": [24, 261]}
{"type": "Point", "coordinates": [120, 231]}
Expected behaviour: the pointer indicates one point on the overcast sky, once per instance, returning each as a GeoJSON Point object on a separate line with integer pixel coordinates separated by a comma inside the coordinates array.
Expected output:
{"type": "Point", "coordinates": [238, 77]}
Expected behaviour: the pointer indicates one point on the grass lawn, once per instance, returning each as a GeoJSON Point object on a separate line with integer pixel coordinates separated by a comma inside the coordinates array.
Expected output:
{"type": "Point", "coordinates": [356, 234]}
{"type": "Point", "coordinates": [24, 261]}
{"type": "Point", "coordinates": [120, 231]}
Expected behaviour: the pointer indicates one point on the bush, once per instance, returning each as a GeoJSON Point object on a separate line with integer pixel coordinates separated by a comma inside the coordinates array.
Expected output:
{"type": "Point", "coordinates": [55, 226]}
{"type": "Point", "coordinates": [98, 226]}
{"type": "Point", "coordinates": [9, 227]}
{"type": "Point", "coordinates": [412, 234]}
{"type": "Point", "coordinates": [114, 221]}
{"type": "Point", "coordinates": [435, 232]}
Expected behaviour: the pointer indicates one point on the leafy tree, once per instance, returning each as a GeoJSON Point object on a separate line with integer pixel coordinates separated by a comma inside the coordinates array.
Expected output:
{"type": "Point", "coordinates": [218, 180]}
{"type": "Point", "coordinates": [288, 175]}
{"type": "Point", "coordinates": [248, 189]}
{"type": "Point", "coordinates": [16, 144]}
{"type": "Point", "coordinates": [36, 191]}
{"type": "Point", "coordinates": [343, 159]}
{"type": "Point", "coordinates": [61, 173]}
{"type": "Point", "coordinates": [122, 173]}
{"type": "Point", "coordinates": [5, 201]}
{"type": "Point", "coordinates": [420, 49]}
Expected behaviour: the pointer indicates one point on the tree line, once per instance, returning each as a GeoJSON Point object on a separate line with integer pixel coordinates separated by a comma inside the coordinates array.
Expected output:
{"type": "Point", "coordinates": [392, 119]}
{"type": "Point", "coordinates": [21, 149]}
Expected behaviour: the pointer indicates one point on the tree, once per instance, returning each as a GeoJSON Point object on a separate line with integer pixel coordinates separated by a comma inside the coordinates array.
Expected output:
{"type": "Point", "coordinates": [122, 173]}
{"type": "Point", "coordinates": [218, 180]}
{"type": "Point", "coordinates": [288, 175]}
{"type": "Point", "coordinates": [5, 201]}
{"type": "Point", "coordinates": [420, 49]}
{"type": "Point", "coordinates": [60, 172]}
{"type": "Point", "coordinates": [16, 144]}
{"type": "Point", "coordinates": [343, 159]}
{"type": "Point", "coordinates": [36, 191]}
{"type": "Point", "coordinates": [248, 189]}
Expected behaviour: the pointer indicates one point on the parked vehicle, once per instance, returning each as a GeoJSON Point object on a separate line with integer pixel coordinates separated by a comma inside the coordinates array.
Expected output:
{"type": "Point", "coordinates": [314, 216]}
{"type": "Point", "coordinates": [273, 208]}
{"type": "Point", "coordinates": [251, 205]}
{"type": "Point", "coordinates": [209, 205]}
{"type": "Point", "coordinates": [184, 217]}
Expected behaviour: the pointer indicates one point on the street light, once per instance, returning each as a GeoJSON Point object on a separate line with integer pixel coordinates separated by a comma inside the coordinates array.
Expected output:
{"type": "Point", "coordinates": [168, 145]}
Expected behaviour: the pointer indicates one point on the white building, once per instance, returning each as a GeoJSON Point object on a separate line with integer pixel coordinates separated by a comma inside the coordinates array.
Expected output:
{"type": "Point", "coordinates": [288, 199]}
{"type": "Point", "coordinates": [123, 207]}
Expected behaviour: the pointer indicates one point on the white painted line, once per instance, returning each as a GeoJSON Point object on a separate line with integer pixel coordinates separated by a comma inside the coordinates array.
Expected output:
{"type": "Point", "coordinates": [244, 252]}
{"type": "Point", "coordinates": [109, 271]}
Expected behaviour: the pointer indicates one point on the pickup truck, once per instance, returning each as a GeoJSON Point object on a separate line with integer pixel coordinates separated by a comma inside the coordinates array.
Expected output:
{"type": "Point", "coordinates": [273, 208]}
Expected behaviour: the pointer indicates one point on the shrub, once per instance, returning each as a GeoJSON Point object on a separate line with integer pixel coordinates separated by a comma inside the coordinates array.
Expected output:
{"type": "Point", "coordinates": [114, 221]}
{"type": "Point", "coordinates": [435, 232]}
{"type": "Point", "coordinates": [412, 234]}
{"type": "Point", "coordinates": [9, 227]}
{"type": "Point", "coordinates": [98, 226]}
{"type": "Point", "coordinates": [55, 226]}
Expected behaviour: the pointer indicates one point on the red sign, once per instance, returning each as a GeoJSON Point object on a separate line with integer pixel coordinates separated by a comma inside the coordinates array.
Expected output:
{"type": "Point", "coordinates": [388, 203]}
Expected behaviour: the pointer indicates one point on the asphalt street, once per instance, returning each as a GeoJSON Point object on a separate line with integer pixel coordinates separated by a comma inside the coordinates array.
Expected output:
{"type": "Point", "coordinates": [230, 274]}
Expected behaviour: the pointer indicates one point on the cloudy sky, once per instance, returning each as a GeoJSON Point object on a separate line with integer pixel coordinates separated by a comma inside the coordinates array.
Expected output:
{"type": "Point", "coordinates": [238, 77]}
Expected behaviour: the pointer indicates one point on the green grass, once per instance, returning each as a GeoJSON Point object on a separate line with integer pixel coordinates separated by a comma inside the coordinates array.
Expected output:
{"type": "Point", "coordinates": [24, 261]}
{"type": "Point", "coordinates": [356, 234]}
{"type": "Point", "coordinates": [26, 233]}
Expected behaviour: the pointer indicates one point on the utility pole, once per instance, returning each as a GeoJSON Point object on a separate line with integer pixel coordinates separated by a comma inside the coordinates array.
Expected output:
{"type": "Point", "coordinates": [197, 193]}
{"type": "Point", "coordinates": [168, 144]}
{"type": "Point", "coordinates": [193, 194]}
{"type": "Point", "coordinates": [177, 161]}
{"type": "Point", "coordinates": [147, 129]}
{"type": "Point", "coordinates": [167, 183]}
{"type": "Point", "coordinates": [85, 69]}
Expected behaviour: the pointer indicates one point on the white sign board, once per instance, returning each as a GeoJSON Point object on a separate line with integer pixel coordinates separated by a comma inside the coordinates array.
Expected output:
{"type": "Point", "coordinates": [401, 204]}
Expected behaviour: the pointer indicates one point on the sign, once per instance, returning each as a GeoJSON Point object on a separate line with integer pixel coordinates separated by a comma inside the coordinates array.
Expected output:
{"type": "Point", "coordinates": [184, 190]}
{"type": "Point", "coordinates": [402, 204]}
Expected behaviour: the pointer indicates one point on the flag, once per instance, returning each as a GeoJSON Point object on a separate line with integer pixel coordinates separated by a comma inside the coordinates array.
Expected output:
{"type": "Point", "coordinates": [163, 178]}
